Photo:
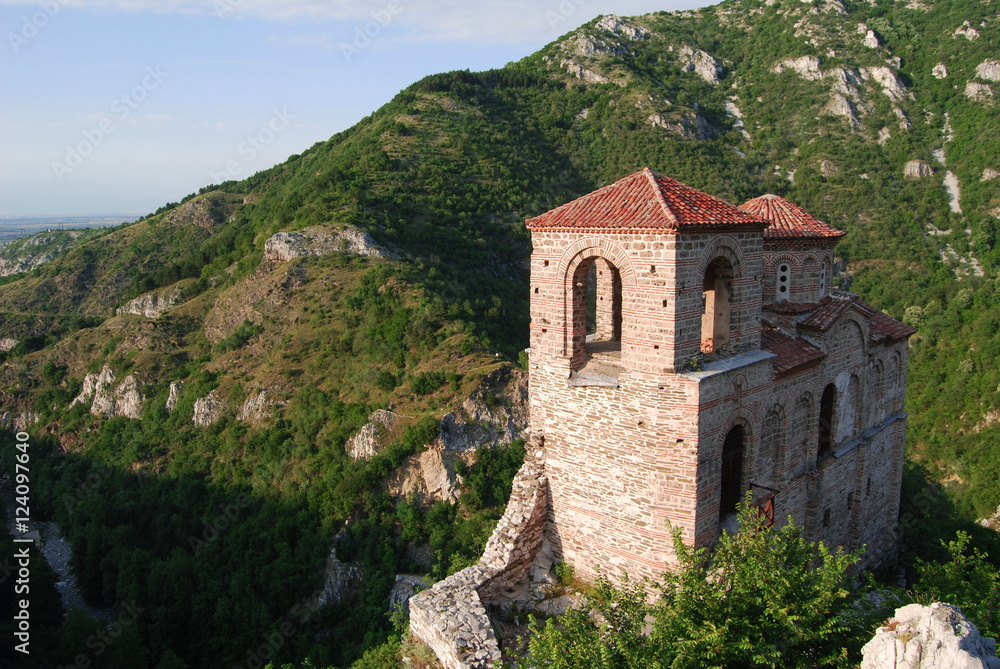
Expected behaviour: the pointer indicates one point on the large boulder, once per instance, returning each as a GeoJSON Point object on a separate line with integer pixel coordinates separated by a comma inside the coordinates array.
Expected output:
{"type": "Point", "coordinates": [937, 636]}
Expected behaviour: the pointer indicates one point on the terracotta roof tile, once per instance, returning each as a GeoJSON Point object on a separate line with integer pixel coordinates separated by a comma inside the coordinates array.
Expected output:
{"type": "Point", "coordinates": [644, 200]}
{"type": "Point", "coordinates": [789, 221]}
{"type": "Point", "coordinates": [793, 353]}
{"type": "Point", "coordinates": [886, 329]}
{"type": "Point", "coordinates": [830, 309]}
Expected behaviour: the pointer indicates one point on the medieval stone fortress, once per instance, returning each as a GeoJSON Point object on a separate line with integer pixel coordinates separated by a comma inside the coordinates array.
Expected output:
{"type": "Point", "coordinates": [720, 360]}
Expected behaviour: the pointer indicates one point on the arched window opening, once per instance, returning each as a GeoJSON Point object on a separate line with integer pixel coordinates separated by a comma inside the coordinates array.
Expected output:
{"type": "Point", "coordinates": [596, 322]}
{"type": "Point", "coordinates": [826, 421]}
{"type": "Point", "coordinates": [822, 280]}
{"type": "Point", "coordinates": [732, 472]}
{"type": "Point", "coordinates": [717, 293]}
{"type": "Point", "coordinates": [784, 285]}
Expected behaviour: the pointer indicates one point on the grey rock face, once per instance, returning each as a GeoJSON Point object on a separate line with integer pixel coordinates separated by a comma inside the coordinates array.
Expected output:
{"type": "Point", "coordinates": [108, 400]}
{"type": "Point", "coordinates": [988, 70]}
{"type": "Point", "coordinates": [917, 169]}
{"type": "Point", "coordinates": [207, 410]}
{"type": "Point", "coordinates": [702, 64]}
{"type": "Point", "coordinates": [317, 241]}
{"type": "Point", "coordinates": [174, 395]}
{"type": "Point", "coordinates": [150, 305]}
{"type": "Point", "coordinates": [370, 439]}
{"type": "Point", "coordinates": [925, 637]}
{"type": "Point", "coordinates": [257, 408]}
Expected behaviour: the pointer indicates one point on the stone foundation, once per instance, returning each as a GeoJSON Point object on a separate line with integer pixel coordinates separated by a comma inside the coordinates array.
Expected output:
{"type": "Point", "coordinates": [451, 616]}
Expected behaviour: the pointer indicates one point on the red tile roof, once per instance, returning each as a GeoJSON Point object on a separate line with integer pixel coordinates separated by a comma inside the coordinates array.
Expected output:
{"type": "Point", "coordinates": [789, 221]}
{"type": "Point", "coordinates": [644, 200]}
{"type": "Point", "coordinates": [886, 329]}
{"type": "Point", "coordinates": [830, 309]}
{"type": "Point", "coordinates": [793, 353]}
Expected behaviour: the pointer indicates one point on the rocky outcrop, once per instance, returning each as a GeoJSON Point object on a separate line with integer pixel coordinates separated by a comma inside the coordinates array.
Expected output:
{"type": "Point", "coordinates": [988, 70]}
{"type": "Point", "coordinates": [150, 305]}
{"type": "Point", "coordinates": [620, 27]}
{"type": "Point", "coordinates": [978, 92]}
{"type": "Point", "coordinates": [925, 637]}
{"type": "Point", "coordinates": [582, 73]}
{"type": "Point", "coordinates": [339, 581]}
{"type": "Point", "coordinates": [702, 64]}
{"type": "Point", "coordinates": [967, 31]}
{"type": "Point", "coordinates": [174, 394]}
{"type": "Point", "coordinates": [940, 71]}
{"type": "Point", "coordinates": [839, 105]}
{"type": "Point", "coordinates": [19, 422]}
{"type": "Point", "coordinates": [7, 344]}
{"type": "Point", "coordinates": [870, 40]}
{"type": "Point", "coordinates": [406, 586]}
{"type": "Point", "coordinates": [26, 255]}
{"type": "Point", "coordinates": [318, 241]}
{"type": "Point", "coordinates": [890, 82]}
{"type": "Point", "coordinates": [108, 400]}
{"type": "Point", "coordinates": [917, 169]}
{"type": "Point", "coordinates": [207, 410]}
{"type": "Point", "coordinates": [257, 408]}
{"type": "Point", "coordinates": [989, 174]}
{"type": "Point", "coordinates": [451, 616]}
{"type": "Point", "coordinates": [993, 522]}
{"type": "Point", "coordinates": [684, 125]}
{"type": "Point", "coordinates": [372, 437]}
{"type": "Point", "coordinates": [806, 67]}
{"type": "Point", "coordinates": [494, 414]}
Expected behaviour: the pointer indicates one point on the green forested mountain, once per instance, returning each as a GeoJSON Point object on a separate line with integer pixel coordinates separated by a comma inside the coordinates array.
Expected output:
{"type": "Point", "coordinates": [826, 103]}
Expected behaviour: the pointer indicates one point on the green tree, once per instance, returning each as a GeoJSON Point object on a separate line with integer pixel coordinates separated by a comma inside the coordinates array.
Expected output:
{"type": "Point", "coordinates": [764, 597]}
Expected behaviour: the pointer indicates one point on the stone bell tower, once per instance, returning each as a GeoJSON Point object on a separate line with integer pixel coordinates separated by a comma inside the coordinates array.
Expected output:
{"type": "Point", "coordinates": [675, 281]}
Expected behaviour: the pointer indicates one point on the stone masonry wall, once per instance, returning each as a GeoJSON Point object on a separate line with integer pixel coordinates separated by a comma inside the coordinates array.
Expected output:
{"type": "Point", "coordinates": [451, 617]}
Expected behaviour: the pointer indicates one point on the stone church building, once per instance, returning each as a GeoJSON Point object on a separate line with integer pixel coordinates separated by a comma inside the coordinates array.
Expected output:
{"type": "Point", "coordinates": [683, 352]}
{"type": "Point", "coordinates": [721, 360]}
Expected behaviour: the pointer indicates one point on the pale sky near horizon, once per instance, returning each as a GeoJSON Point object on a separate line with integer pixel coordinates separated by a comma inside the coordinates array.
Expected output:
{"type": "Point", "coordinates": [115, 107]}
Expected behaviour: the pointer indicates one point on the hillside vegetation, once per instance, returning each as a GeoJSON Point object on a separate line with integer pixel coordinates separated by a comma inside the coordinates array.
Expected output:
{"type": "Point", "coordinates": [826, 103]}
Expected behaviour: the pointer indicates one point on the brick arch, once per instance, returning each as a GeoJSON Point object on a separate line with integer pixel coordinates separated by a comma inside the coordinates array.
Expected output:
{"type": "Point", "coordinates": [775, 260]}
{"type": "Point", "coordinates": [596, 247]}
{"type": "Point", "coordinates": [723, 246]}
{"type": "Point", "coordinates": [853, 324]}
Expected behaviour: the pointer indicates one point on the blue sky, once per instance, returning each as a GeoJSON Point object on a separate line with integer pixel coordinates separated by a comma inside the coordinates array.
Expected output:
{"type": "Point", "coordinates": [119, 106]}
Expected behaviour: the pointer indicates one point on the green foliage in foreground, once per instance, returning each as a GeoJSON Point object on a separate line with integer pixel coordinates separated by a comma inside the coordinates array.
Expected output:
{"type": "Point", "coordinates": [765, 597]}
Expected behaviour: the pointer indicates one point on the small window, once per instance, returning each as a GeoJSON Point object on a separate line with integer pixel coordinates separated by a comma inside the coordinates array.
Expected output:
{"type": "Point", "coordinates": [784, 281]}
{"type": "Point", "coordinates": [826, 421]}
{"type": "Point", "coordinates": [822, 280]}
{"type": "Point", "coordinates": [826, 518]}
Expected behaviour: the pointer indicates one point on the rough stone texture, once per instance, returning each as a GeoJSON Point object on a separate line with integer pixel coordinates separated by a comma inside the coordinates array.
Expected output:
{"type": "Point", "coordinates": [207, 410]}
{"type": "Point", "coordinates": [108, 400]}
{"type": "Point", "coordinates": [615, 25]}
{"type": "Point", "coordinates": [339, 581]}
{"type": "Point", "coordinates": [257, 408]}
{"type": "Point", "coordinates": [318, 241]}
{"type": "Point", "coordinates": [27, 256]}
{"type": "Point", "coordinates": [870, 40]}
{"type": "Point", "coordinates": [925, 637]}
{"type": "Point", "coordinates": [917, 169]}
{"type": "Point", "coordinates": [582, 73]}
{"type": "Point", "coordinates": [988, 70]}
{"type": "Point", "coordinates": [702, 64]}
{"type": "Point", "coordinates": [495, 413]}
{"type": "Point", "coordinates": [150, 305]}
{"type": "Point", "coordinates": [807, 67]}
{"type": "Point", "coordinates": [370, 439]}
{"type": "Point", "coordinates": [174, 394]}
{"type": "Point", "coordinates": [451, 616]}
{"type": "Point", "coordinates": [967, 31]}
{"type": "Point", "coordinates": [406, 586]}
{"type": "Point", "coordinates": [685, 125]}
{"type": "Point", "coordinates": [992, 522]}
{"type": "Point", "coordinates": [978, 92]}
{"type": "Point", "coordinates": [7, 344]}
{"type": "Point", "coordinates": [940, 71]}
{"type": "Point", "coordinates": [989, 174]}
{"type": "Point", "coordinates": [21, 421]}
{"type": "Point", "coordinates": [890, 82]}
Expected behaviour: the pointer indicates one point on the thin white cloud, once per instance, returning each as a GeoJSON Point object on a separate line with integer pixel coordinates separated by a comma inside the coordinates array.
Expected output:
{"type": "Point", "coordinates": [488, 21]}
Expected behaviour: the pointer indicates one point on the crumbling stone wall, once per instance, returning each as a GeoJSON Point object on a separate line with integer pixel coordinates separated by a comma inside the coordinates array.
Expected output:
{"type": "Point", "coordinates": [451, 616]}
